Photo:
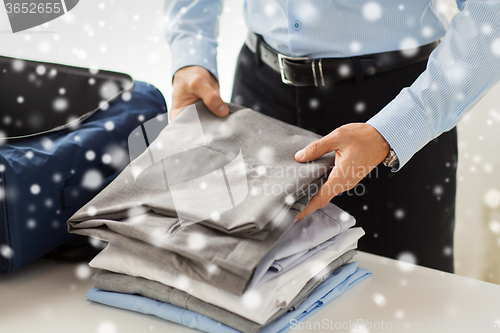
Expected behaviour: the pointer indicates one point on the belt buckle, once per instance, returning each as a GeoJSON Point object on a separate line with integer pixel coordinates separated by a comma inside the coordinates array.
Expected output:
{"type": "Point", "coordinates": [281, 58]}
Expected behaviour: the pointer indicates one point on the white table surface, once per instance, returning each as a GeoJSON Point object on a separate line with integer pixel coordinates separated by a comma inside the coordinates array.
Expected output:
{"type": "Point", "coordinates": [49, 296]}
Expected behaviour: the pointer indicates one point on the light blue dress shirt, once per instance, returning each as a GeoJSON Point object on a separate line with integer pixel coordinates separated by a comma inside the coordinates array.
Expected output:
{"type": "Point", "coordinates": [460, 70]}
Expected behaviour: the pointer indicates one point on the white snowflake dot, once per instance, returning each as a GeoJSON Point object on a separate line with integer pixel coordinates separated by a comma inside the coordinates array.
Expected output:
{"type": "Point", "coordinates": [18, 65]}
{"type": "Point", "coordinates": [494, 227]}
{"type": "Point", "coordinates": [313, 103]}
{"type": "Point", "coordinates": [103, 105]}
{"type": "Point", "coordinates": [492, 198]}
{"type": "Point", "coordinates": [83, 271]}
{"type": "Point", "coordinates": [215, 216]}
{"type": "Point", "coordinates": [406, 261]}
{"type": "Point", "coordinates": [409, 47]}
{"type": "Point", "coordinates": [344, 70]}
{"type": "Point", "coordinates": [360, 106]}
{"type": "Point", "coordinates": [254, 191]}
{"type": "Point", "coordinates": [60, 104]}
{"type": "Point", "coordinates": [438, 190]}
{"type": "Point", "coordinates": [35, 189]}
{"type": "Point", "coordinates": [6, 251]}
{"type": "Point", "coordinates": [486, 29]}
{"type": "Point", "coordinates": [126, 96]}
{"type": "Point", "coordinates": [379, 299]}
{"type": "Point", "coordinates": [57, 177]}
{"type": "Point", "coordinates": [372, 11]}
{"type": "Point", "coordinates": [344, 217]}
{"type": "Point", "coordinates": [109, 125]}
{"type": "Point", "coordinates": [196, 242]}
{"type": "Point", "coordinates": [31, 224]}
{"type": "Point", "coordinates": [106, 159]}
{"type": "Point", "coordinates": [399, 213]}
{"type": "Point", "coordinates": [252, 299]}
{"type": "Point", "coordinates": [40, 69]}
{"type": "Point", "coordinates": [92, 211]}
{"type": "Point", "coordinates": [92, 179]}
{"type": "Point", "coordinates": [355, 46]}
{"type": "Point", "coordinates": [427, 31]}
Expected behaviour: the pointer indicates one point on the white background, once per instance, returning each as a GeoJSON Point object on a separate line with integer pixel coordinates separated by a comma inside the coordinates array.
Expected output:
{"type": "Point", "coordinates": [127, 36]}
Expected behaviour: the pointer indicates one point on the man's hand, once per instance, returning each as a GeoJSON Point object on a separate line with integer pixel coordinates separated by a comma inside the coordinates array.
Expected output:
{"type": "Point", "coordinates": [192, 83]}
{"type": "Point", "coordinates": [358, 147]}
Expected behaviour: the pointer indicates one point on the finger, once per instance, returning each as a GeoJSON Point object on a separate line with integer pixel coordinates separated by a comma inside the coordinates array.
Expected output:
{"type": "Point", "coordinates": [318, 148]}
{"type": "Point", "coordinates": [211, 98]}
{"type": "Point", "coordinates": [313, 205]}
{"type": "Point", "coordinates": [337, 183]}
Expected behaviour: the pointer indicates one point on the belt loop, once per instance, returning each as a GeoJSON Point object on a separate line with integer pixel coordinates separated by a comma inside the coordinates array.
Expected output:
{"type": "Point", "coordinates": [257, 49]}
{"type": "Point", "coordinates": [358, 70]}
{"type": "Point", "coordinates": [313, 68]}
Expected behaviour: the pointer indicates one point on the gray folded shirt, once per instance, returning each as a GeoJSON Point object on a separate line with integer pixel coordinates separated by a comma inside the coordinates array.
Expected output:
{"type": "Point", "coordinates": [115, 282]}
{"type": "Point", "coordinates": [210, 196]}
{"type": "Point", "coordinates": [236, 174]}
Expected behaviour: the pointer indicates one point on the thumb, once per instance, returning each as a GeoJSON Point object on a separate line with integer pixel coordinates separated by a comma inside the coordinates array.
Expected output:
{"type": "Point", "coordinates": [212, 99]}
{"type": "Point", "coordinates": [317, 148]}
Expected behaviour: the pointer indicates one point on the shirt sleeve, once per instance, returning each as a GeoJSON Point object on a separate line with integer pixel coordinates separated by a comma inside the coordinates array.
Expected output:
{"type": "Point", "coordinates": [460, 71]}
{"type": "Point", "coordinates": [191, 30]}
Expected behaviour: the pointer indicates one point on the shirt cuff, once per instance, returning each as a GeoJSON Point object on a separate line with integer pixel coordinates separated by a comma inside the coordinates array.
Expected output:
{"type": "Point", "coordinates": [403, 126]}
{"type": "Point", "coordinates": [190, 51]}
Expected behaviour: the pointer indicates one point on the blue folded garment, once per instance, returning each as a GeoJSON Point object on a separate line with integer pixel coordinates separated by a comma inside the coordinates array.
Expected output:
{"type": "Point", "coordinates": [338, 283]}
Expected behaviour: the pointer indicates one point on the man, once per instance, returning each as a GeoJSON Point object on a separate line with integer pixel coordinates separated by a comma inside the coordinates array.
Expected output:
{"type": "Point", "coordinates": [371, 78]}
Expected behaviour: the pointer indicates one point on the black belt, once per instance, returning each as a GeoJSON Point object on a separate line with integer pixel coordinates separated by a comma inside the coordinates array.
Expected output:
{"type": "Point", "coordinates": [303, 71]}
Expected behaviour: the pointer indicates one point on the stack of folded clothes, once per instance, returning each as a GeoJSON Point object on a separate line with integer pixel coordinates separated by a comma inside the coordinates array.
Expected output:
{"type": "Point", "coordinates": [201, 226]}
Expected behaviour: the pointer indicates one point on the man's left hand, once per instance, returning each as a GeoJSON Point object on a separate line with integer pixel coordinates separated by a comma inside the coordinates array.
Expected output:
{"type": "Point", "coordinates": [358, 147]}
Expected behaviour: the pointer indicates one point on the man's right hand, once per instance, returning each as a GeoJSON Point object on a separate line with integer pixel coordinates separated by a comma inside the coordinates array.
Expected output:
{"type": "Point", "coordinates": [193, 83]}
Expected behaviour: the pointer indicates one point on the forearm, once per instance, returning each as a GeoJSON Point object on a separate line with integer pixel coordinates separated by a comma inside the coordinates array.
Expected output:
{"type": "Point", "coordinates": [459, 72]}
{"type": "Point", "coordinates": [191, 30]}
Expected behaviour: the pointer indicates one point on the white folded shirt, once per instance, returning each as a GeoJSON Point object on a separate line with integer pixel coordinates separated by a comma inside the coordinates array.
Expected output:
{"type": "Point", "coordinates": [257, 304]}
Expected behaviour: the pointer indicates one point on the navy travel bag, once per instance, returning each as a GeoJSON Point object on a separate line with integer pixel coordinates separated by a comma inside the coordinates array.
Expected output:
{"type": "Point", "coordinates": [63, 138]}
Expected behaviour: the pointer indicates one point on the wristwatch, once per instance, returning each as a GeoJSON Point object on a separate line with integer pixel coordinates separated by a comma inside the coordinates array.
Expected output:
{"type": "Point", "coordinates": [391, 160]}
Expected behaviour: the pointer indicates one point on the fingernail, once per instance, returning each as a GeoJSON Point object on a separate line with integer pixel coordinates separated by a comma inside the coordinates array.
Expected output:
{"type": "Point", "coordinates": [300, 154]}
{"type": "Point", "coordinates": [222, 110]}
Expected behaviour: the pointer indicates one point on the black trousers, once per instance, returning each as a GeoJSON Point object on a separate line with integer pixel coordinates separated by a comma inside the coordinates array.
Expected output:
{"type": "Point", "coordinates": [408, 214]}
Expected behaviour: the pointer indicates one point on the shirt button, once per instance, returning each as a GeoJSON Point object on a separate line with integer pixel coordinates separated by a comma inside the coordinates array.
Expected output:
{"type": "Point", "coordinates": [296, 25]}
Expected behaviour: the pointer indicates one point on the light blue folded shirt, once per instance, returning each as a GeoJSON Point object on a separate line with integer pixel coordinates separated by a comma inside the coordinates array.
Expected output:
{"type": "Point", "coordinates": [338, 283]}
